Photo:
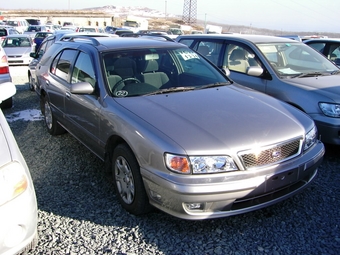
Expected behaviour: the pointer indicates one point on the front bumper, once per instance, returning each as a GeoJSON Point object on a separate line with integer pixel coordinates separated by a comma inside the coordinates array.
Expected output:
{"type": "Point", "coordinates": [198, 197]}
{"type": "Point", "coordinates": [18, 222]}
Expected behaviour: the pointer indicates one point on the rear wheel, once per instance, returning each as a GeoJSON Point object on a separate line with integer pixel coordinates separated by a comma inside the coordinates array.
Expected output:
{"type": "Point", "coordinates": [53, 127]}
{"type": "Point", "coordinates": [30, 83]}
{"type": "Point", "coordinates": [128, 181]}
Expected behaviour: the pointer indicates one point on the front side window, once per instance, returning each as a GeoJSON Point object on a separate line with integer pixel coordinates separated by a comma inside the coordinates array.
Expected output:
{"type": "Point", "coordinates": [83, 70]}
{"type": "Point", "coordinates": [61, 65]}
{"type": "Point", "coordinates": [239, 58]}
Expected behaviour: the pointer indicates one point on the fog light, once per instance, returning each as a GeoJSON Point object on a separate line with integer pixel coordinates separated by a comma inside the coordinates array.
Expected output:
{"type": "Point", "coordinates": [155, 196]}
{"type": "Point", "coordinates": [194, 206]}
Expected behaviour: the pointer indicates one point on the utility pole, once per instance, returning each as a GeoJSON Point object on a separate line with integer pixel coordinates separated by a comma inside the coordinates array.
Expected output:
{"type": "Point", "coordinates": [190, 11]}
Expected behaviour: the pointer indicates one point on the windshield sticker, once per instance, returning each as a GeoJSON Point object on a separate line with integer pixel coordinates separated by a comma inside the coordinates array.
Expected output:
{"type": "Point", "coordinates": [121, 93]}
{"type": "Point", "coordinates": [288, 71]}
{"type": "Point", "coordinates": [186, 55]}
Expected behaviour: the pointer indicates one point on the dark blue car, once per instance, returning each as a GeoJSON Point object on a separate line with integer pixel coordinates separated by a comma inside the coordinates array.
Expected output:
{"type": "Point", "coordinates": [39, 37]}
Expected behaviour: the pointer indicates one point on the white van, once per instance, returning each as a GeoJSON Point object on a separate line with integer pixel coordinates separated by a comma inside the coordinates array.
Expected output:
{"type": "Point", "coordinates": [20, 24]}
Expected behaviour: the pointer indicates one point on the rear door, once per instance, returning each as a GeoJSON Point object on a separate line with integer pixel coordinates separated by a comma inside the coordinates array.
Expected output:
{"type": "Point", "coordinates": [57, 84]}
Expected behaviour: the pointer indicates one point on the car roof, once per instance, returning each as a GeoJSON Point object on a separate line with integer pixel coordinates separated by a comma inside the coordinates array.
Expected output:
{"type": "Point", "coordinates": [323, 40]}
{"type": "Point", "coordinates": [121, 43]}
{"type": "Point", "coordinates": [18, 35]}
{"type": "Point", "coordinates": [245, 37]}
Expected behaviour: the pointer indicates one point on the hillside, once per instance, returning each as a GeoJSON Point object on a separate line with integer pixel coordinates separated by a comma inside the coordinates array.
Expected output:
{"type": "Point", "coordinates": [158, 20]}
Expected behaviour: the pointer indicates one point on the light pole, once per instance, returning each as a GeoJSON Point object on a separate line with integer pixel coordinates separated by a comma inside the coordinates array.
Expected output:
{"type": "Point", "coordinates": [165, 9]}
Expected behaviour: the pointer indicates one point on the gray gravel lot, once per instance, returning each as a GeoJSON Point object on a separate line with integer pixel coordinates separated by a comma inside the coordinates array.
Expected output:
{"type": "Point", "coordinates": [79, 213]}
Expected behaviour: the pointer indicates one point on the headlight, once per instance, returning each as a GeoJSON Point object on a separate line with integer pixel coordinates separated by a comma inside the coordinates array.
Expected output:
{"type": "Point", "coordinates": [310, 138]}
{"type": "Point", "coordinates": [330, 110]}
{"type": "Point", "coordinates": [13, 182]}
{"type": "Point", "coordinates": [200, 164]}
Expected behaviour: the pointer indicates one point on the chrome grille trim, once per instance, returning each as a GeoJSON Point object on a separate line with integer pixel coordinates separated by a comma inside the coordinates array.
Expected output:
{"type": "Point", "coordinates": [272, 154]}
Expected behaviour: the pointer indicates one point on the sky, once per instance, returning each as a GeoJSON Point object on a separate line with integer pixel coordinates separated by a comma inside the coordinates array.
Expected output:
{"type": "Point", "coordinates": [283, 15]}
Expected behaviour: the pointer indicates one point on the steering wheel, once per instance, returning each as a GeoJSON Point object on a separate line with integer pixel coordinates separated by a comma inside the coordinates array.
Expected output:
{"type": "Point", "coordinates": [124, 80]}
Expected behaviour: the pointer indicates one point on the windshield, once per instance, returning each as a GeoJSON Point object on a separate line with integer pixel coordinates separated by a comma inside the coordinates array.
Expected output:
{"type": "Point", "coordinates": [11, 42]}
{"type": "Point", "coordinates": [295, 58]}
{"type": "Point", "coordinates": [152, 71]}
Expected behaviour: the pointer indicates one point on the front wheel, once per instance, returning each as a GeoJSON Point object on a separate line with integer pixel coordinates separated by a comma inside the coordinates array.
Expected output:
{"type": "Point", "coordinates": [128, 181]}
{"type": "Point", "coordinates": [52, 125]}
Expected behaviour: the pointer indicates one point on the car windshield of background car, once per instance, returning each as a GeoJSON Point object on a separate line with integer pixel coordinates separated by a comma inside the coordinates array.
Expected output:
{"type": "Point", "coordinates": [290, 59]}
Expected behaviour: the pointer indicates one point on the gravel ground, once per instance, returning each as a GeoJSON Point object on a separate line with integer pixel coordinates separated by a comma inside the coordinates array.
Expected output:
{"type": "Point", "coordinates": [79, 213]}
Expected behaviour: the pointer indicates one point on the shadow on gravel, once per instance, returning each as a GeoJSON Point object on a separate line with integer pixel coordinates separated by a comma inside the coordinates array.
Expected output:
{"type": "Point", "coordinates": [72, 186]}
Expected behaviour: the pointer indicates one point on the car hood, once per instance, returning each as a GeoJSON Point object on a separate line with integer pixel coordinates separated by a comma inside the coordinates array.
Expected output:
{"type": "Point", "coordinates": [17, 50]}
{"type": "Point", "coordinates": [219, 118]}
{"type": "Point", "coordinates": [328, 86]}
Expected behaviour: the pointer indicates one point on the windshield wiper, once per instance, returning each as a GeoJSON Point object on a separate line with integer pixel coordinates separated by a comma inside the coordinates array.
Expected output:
{"type": "Point", "coordinates": [212, 85]}
{"type": "Point", "coordinates": [335, 72]}
{"type": "Point", "coordinates": [170, 90]}
{"type": "Point", "coordinates": [311, 74]}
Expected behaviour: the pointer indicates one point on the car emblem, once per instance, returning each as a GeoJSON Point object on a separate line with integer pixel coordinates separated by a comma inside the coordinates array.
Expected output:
{"type": "Point", "coordinates": [276, 153]}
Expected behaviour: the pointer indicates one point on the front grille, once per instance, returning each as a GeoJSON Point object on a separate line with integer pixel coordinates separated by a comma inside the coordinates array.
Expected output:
{"type": "Point", "coordinates": [15, 62]}
{"type": "Point", "coordinates": [272, 154]}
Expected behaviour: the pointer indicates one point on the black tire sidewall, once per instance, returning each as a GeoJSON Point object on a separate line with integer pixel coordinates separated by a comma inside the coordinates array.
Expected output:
{"type": "Point", "coordinates": [140, 204]}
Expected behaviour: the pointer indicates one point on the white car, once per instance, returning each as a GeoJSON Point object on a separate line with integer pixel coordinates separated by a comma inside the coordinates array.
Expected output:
{"type": "Point", "coordinates": [18, 204]}
{"type": "Point", "coordinates": [18, 49]}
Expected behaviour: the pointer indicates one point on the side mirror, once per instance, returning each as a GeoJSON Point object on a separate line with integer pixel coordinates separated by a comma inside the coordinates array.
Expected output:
{"type": "Point", "coordinates": [83, 88]}
{"type": "Point", "coordinates": [33, 55]}
{"type": "Point", "coordinates": [255, 71]}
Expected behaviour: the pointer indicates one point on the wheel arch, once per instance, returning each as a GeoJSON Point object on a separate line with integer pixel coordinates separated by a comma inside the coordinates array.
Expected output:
{"type": "Point", "coordinates": [111, 144]}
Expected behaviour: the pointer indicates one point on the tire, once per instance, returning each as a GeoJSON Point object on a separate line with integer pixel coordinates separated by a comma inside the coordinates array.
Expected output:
{"type": "Point", "coordinates": [52, 125]}
{"type": "Point", "coordinates": [128, 181]}
{"type": "Point", "coordinates": [30, 83]}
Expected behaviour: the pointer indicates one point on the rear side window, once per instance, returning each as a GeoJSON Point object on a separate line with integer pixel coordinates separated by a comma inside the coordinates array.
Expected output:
{"type": "Point", "coordinates": [187, 42]}
{"type": "Point", "coordinates": [210, 49]}
{"type": "Point", "coordinates": [3, 32]}
{"type": "Point", "coordinates": [318, 46]}
{"type": "Point", "coordinates": [61, 65]}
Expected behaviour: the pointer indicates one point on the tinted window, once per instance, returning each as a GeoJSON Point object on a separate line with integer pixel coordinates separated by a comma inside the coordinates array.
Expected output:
{"type": "Point", "coordinates": [62, 64]}
{"type": "Point", "coordinates": [83, 70]}
{"type": "Point", "coordinates": [318, 46]}
{"type": "Point", "coordinates": [210, 49]}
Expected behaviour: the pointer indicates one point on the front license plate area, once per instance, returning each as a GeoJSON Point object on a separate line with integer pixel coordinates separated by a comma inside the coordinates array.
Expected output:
{"type": "Point", "coordinates": [281, 180]}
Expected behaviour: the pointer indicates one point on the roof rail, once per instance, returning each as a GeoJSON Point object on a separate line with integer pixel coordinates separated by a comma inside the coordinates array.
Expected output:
{"type": "Point", "coordinates": [167, 38]}
{"type": "Point", "coordinates": [72, 38]}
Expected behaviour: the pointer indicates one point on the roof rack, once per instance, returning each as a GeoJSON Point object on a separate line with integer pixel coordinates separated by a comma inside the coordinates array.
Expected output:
{"type": "Point", "coordinates": [72, 38]}
{"type": "Point", "coordinates": [167, 38]}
